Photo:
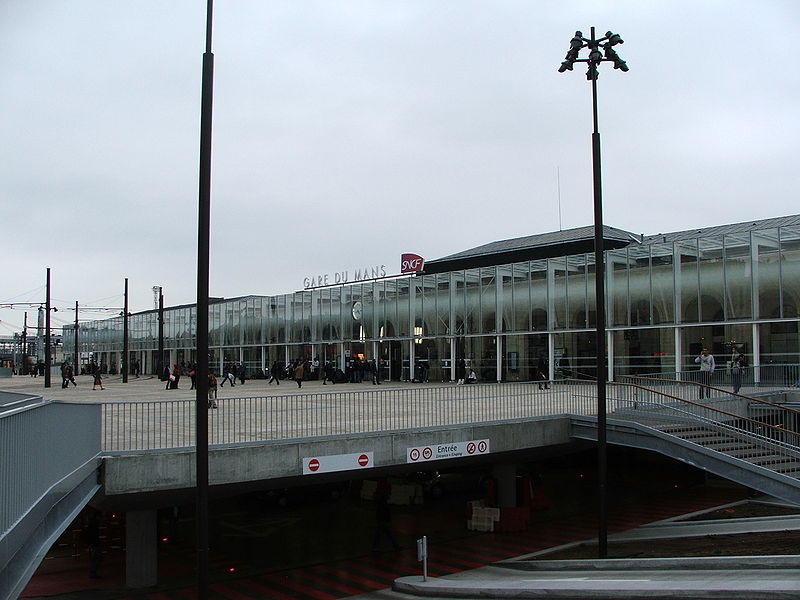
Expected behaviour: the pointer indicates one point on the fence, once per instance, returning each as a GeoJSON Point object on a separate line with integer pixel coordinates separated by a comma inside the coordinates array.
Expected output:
{"type": "Point", "coordinates": [171, 424]}
{"type": "Point", "coordinates": [763, 376]}
{"type": "Point", "coordinates": [767, 444]}
{"type": "Point", "coordinates": [40, 445]}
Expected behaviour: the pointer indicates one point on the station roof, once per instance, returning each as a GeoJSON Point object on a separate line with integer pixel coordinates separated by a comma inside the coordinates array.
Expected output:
{"type": "Point", "coordinates": [581, 240]}
{"type": "Point", "coordinates": [532, 247]}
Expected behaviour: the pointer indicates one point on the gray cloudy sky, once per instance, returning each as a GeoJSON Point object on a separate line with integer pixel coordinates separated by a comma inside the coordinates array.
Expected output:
{"type": "Point", "coordinates": [349, 131]}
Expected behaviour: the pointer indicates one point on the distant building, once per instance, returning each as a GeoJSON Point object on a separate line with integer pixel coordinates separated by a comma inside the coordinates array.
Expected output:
{"type": "Point", "coordinates": [508, 308]}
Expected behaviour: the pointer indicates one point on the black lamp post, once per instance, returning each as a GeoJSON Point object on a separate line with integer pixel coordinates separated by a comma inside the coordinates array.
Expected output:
{"type": "Point", "coordinates": [203, 267]}
{"type": "Point", "coordinates": [608, 53]}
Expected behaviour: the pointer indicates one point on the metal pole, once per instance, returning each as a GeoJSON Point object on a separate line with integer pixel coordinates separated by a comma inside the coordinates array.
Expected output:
{"type": "Point", "coordinates": [75, 364]}
{"type": "Point", "coordinates": [47, 334]}
{"type": "Point", "coordinates": [203, 264]}
{"type": "Point", "coordinates": [125, 336]}
{"type": "Point", "coordinates": [25, 346]}
{"type": "Point", "coordinates": [600, 339]}
{"type": "Point", "coordinates": [160, 360]}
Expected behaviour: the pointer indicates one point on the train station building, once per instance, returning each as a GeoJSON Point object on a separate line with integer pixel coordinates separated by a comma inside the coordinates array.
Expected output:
{"type": "Point", "coordinates": [508, 309]}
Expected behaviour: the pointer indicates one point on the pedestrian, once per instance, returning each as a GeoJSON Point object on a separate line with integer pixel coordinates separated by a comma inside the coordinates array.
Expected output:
{"type": "Point", "coordinates": [175, 377]}
{"type": "Point", "coordinates": [373, 369]}
{"type": "Point", "coordinates": [330, 373]}
{"type": "Point", "coordinates": [299, 372]}
{"type": "Point", "coordinates": [228, 376]}
{"type": "Point", "coordinates": [543, 374]}
{"type": "Point", "coordinates": [212, 391]}
{"type": "Point", "coordinates": [242, 373]}
{"type": "Point", "coordinates": [423, 371]}
{"type": "Point", "coordinates": [738, 363]}
{"type": "Point", "coordinates": [472, 377]}
{"type": "Point", "coordinates": [707, 366]}
{"type": "Point", "coordinates": [461, 371]}
{"type": "Point", "coordinates": [274, 372]}
{"type": "Point", "coordinates": [193, 376]}
{"type": "Point", "coordinates": [70, 376]}
{"type": "Point", "coordinates": [64, 380]}
{"type": "Point", "coordinates": [98, 380]}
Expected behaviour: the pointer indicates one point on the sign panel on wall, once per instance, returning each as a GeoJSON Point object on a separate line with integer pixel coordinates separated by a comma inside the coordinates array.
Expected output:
{"type": "Point", "coordinates": [411, 263]}
{"type": "Point", "coordinates": [446, 450]}
{"type": "Point", "coordinates": [337, 462]}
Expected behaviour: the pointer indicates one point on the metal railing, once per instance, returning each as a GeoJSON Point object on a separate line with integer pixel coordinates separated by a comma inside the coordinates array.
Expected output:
{"type": "Point", "coordinates": [40, 445]}
{"type": "Point", "coordinates": [171, 423]}
{"type": "Point", "coordinates": [763, 376]}
{"type": "Point", "coordinates": [733, 433]}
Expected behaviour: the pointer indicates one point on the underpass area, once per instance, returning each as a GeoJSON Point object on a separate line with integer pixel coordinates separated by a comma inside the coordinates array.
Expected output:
{"type": "Point", "coordinates": [271, 535]}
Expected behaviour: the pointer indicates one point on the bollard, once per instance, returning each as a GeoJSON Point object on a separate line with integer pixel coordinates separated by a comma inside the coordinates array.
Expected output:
{"type": "Point", "coordinates": [422, 555]}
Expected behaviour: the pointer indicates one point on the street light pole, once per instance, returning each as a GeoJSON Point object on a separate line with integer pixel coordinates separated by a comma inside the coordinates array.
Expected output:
{"type": "Point", "coordinates": [203, 266]}
{"type": "Point", "coordinates": [125, 336]}
{"type": "Point", "coordinates": [75, 359]}
{"type": "Point", "coordinates": [47, 334]}
{"type": "Point", "coordinates": [577, 43]}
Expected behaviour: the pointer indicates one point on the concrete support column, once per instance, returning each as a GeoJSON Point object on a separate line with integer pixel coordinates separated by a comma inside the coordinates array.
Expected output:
{"type": "Point", "coordinates": [141, 554]}
{"type": "Point", "coordinates": [610, 355]}
{"type": "Point", "coordinates": [341, 356]}
{"type": "Point", "coordinates": [678, 350]}
{"type": "Point", "coordinates": [506, 478]}
{"type": "Point", "coordinates": [551, 354]}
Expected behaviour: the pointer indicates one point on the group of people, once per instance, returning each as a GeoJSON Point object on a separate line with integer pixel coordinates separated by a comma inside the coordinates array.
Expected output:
{"type": "Point", "coordinates": [707, 364]}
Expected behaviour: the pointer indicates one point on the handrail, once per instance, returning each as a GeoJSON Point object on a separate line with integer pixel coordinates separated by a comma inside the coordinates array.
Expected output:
{"type": "Point", "coordinates": [777, 428]}
{"type": "Point", "coordinates": [716, 389]}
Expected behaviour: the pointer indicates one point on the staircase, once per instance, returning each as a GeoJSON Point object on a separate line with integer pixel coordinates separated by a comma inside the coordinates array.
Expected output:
{"type": "Point", "coordinates": [719, 435]}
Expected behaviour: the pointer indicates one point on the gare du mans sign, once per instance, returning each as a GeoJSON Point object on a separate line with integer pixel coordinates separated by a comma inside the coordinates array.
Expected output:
{"type": "Point", "coordinates": [409, 263]}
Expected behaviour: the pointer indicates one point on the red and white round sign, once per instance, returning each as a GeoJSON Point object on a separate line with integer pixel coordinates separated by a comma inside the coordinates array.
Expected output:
{"type": "Point", "coordinates": [313, 464]}
{"type": "Point", "coordinates": [481, 446]}
{"type": "Point", "coordinates": [363, 460]}
{"type": "Point", "coordinates": [414, 454]}
{"type": "Point", "coordinates": [427, 453]}
{"type": "Point", "coordinates": [471, 448]}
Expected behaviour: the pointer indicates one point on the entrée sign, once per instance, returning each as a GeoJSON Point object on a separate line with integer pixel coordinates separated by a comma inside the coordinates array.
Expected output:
{"type": "Point", "coordinates": [340, 277]}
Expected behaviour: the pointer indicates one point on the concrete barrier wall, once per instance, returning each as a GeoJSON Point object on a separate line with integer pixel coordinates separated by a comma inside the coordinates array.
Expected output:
{"type": "Point", "coordinates": [153, 471]}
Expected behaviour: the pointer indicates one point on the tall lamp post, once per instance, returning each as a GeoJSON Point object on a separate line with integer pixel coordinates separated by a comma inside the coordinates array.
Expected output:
{"type": "Point", "coordinates": [203, 267]}
{"type": "Point", "coordinates": [596, 56]}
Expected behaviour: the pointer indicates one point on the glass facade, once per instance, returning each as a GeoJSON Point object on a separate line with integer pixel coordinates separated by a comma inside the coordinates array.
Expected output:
{"type": "Point", "coordinates": [667, 297]}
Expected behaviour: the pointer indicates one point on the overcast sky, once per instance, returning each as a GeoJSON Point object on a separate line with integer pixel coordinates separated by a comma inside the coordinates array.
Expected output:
{"type": "Point", "coordinates": [348, 132]}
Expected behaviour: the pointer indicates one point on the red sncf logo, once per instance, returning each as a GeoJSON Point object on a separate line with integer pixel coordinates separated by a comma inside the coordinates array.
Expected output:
{"type": "Point", "coordinates": [411, 263]}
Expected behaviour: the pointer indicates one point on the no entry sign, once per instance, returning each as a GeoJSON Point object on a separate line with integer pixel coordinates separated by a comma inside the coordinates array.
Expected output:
{"type": "Point", "coordinates": [446, 450]}
{"type": "Point", "coordinates": [337, 462]}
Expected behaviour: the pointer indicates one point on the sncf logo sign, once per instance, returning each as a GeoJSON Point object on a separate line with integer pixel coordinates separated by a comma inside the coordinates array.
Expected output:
{"type": "Point", "coordinates": [411, 263]}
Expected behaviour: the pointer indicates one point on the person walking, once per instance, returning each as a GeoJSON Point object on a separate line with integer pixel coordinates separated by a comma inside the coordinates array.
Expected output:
{"type": "Point", "coordinates": [299, 371]}
{"type": "Point", "coordinates": [70, 376]}
{"type": "Point", "coordinates": [274, 372]}
{"type": "Point", "coordinates": [738, 363]}
{"type": "Point", "coordinates": [373, 369]}
{"type": "Point", "coordinates": [98, 380]}
{"type": "Point", "coordinates": [64, 380]}
{"type": "Point", "coordinates": [193, 376]}
{"type": "Point", "coordinates": [242, 373]}
{"type": "Point", "coordinates": [175, 377]}
{"type": "Point", "coordinates": [228, 376]}
{"type": "Point", "coordinates": [707, 366]}
{"type": "Point", "coordinates": [543, 373]}
{"type": "Point", "coordinates": [212, 391]}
